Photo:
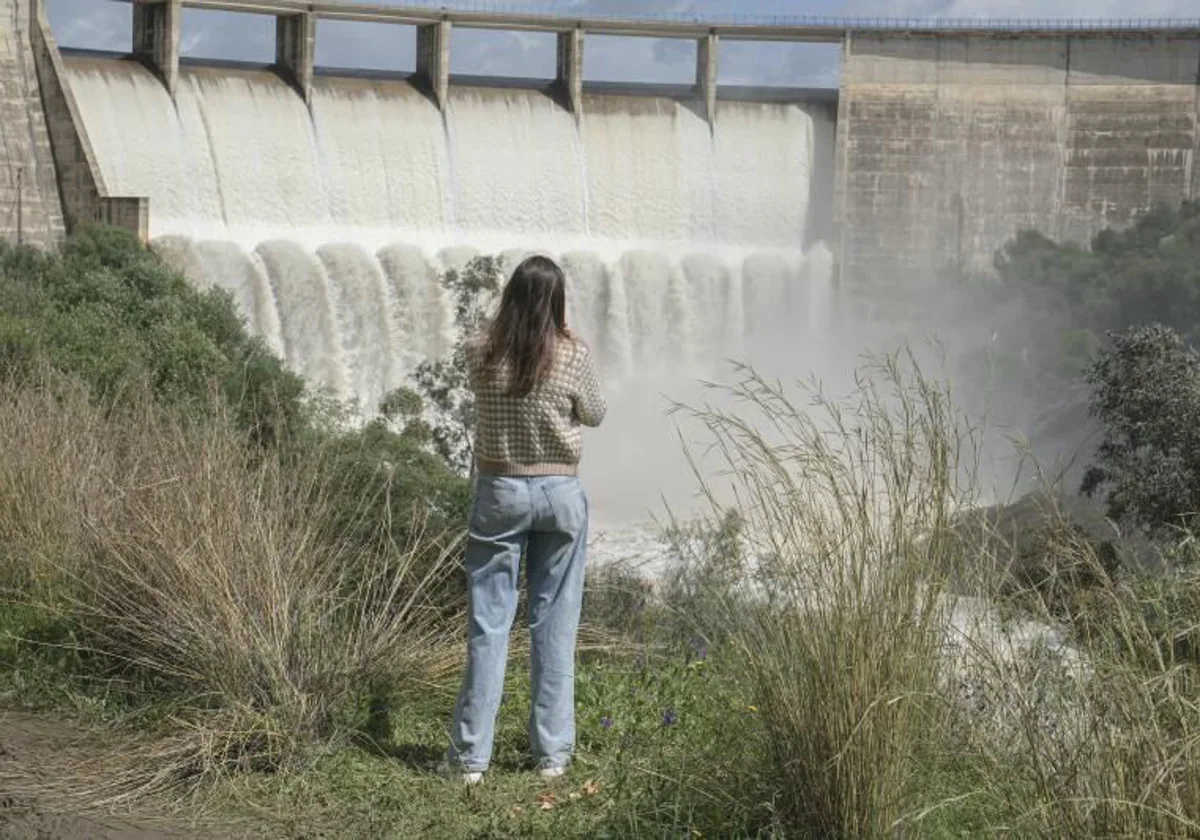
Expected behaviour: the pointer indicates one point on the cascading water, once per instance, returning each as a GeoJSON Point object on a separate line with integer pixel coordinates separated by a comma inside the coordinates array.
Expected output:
{"type": "Point", "coordinates": [330, 224]}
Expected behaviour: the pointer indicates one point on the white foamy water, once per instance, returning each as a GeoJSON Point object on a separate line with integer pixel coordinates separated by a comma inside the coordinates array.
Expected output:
{"type": "Point", "coordinates": [331, 224]}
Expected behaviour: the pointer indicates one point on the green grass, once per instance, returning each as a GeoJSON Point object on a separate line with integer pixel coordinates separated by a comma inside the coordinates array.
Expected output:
{"type": "Point", "coordinates": [696, 778]}
{"type": "Point", "coordinates": [654, 730]}
{"type": "Point", "coordinates": [699, 771]}
{"type": "Point", "coordinates": [639, 771]}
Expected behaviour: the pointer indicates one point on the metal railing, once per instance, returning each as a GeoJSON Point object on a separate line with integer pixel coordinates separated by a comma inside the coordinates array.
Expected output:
{"type": "Point", "coordinates": [815, 21]}
{"type": "Point", "coordinates": [530, 10]}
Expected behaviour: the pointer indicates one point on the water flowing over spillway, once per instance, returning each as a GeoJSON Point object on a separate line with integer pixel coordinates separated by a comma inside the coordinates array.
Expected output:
{"type": "Point", "coordinates": [331, 226]}
{"type": "Point", "coordinates": [331, 223]}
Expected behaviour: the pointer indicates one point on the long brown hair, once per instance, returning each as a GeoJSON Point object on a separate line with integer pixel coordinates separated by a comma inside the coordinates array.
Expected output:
{"type": "Point", "coordinates": [531, 319]}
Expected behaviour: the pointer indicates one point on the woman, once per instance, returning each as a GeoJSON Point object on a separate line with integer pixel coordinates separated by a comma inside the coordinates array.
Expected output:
{"type": "Point", "coordinates": [534, 387]}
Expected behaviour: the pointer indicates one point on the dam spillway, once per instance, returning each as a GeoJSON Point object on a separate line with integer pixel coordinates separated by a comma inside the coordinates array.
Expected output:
{"type": "Point", "coordinates": [691, 220]}
{"type": "Point", "coordinates": [330, 222]}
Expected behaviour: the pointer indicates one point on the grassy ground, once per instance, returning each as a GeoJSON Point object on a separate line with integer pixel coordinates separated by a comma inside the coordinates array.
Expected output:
{"type": "Point", "coordinates": [642, 775]}
{"type": "Point", "coordinates": [651, 728]}
{"type": "Point", "coordinates": [671, 744]}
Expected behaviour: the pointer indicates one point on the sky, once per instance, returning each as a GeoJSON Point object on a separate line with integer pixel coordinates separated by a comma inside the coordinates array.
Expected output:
{"type": "Point", "coordinates": [104, 24]}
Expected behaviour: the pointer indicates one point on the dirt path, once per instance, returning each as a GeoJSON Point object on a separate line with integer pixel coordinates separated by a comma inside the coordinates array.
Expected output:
{"type": "Point", "coordinates": [40, 758]}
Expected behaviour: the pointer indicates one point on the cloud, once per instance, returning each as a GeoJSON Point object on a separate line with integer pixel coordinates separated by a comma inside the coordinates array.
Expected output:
{"type": "Point", "coordinates": [92, 25]}
{"type": "Point", "coordinates": [235, 37]}
{"type": "Point", "coordinates": [192, 42]}
{"type": "Point", "coordinates": [498, 53]}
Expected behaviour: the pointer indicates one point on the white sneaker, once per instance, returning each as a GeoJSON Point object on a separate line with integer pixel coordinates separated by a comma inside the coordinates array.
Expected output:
{"type": "Point", "coordinates": [467, 777]}
{"type": "Point", "coordinates": [552, 772]}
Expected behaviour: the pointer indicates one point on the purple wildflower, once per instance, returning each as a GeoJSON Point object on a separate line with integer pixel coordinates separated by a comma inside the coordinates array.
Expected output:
{"type": "Point", "coordinates": [669, 718]}
{"type": "Point", "coordinates": [606, 722]}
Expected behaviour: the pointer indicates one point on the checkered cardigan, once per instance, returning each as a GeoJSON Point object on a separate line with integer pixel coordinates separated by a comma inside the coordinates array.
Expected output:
{"type": "Point", "coordinates": [538, 434]}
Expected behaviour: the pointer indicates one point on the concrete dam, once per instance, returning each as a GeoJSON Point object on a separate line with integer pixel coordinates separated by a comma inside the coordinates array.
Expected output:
{"type": "Point", "coordinates": [693, 221]}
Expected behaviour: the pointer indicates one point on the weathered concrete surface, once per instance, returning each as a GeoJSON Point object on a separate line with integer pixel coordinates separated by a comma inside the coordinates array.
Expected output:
{"type": "Point", "coordinates": [81, 189]}
{"type": "Point", "coordinates": [295, 50]}
{"type": "Point", "coordinates": [156, 39]}
{"type": "Point", "coordinates": [570, 69]}
{"type": "Point", "coordinates": [433, 59]}
{"type": "Point", "coordinates": [30, 210]}
{"type": "Point", "coordinates": [1130, 130]}
{"type": "Point", "coordinates": [708, 51]}
{"type": "Point", "coordinates": [950, 144]}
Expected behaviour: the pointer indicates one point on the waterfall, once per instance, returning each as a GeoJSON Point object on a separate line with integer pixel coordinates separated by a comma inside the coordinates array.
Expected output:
{"type": "Point", "coordinates": [331, 224]}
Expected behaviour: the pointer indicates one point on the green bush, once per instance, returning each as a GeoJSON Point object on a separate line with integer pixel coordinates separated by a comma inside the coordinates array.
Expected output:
{"type": "Point", "coordinates": [109, 311]}
{"type": "Point", "coordinates": [201, 522]}
{"type": "Point", "coordinates": [1146, 395]}
{"type": "Point", "coordinates": [441, 385]}
{"type": "Point", "coordinates": [1147, 273]}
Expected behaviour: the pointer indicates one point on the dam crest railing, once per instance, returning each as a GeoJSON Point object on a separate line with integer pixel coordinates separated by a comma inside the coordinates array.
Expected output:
{"type": "Point", "coordinates": [673, 24]}
{"type": "Point", "coordinates": [831, 21]}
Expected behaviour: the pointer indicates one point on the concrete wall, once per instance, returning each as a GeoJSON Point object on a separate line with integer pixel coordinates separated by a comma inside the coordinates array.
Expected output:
{"type": "Point", "coordinates": [84, 195]}
{"type": "Point", "coordinates": [950, 144]}
{"type": "Point", "coordinates": [29, 204]}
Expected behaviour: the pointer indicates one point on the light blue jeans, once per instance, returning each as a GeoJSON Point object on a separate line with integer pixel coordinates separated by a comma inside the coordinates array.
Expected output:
{"type": "Point", "coordinates": [544, 519]}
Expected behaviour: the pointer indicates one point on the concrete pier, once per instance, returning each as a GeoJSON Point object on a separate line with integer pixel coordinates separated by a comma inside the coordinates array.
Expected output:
{"type": "Point", "coordinates": [156, 38]}
{"type": "Point", "coordinates": [707, 52]}
{"type": "Point", "coordinates": [295, 42]}
{"type": "Point", "coordinates": [433, 59]}
{"type": "Point", "coordinates": [570, 69]}
{"type": "Point", "coordinates": [84, 196]}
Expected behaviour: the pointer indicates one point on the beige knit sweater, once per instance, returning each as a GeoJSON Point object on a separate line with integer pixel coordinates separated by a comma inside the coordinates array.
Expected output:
{"type": "Point", "coordinates": [538, 434]}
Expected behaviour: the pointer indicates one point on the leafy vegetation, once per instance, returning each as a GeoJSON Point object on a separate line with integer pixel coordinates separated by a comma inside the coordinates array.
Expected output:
{"type": "Point", "coordinates": [218, 549]}
{"type": "Point", "coordinates": [441, 384]}
{"type": "Point", "coordinates": [1146, 394]}
{"type": "Point", "coordinates": [108, 312]}
{"type": "Point", "coordinates": [1062, 301]}
{"type": "Point", "coordinates": [1147, 273]}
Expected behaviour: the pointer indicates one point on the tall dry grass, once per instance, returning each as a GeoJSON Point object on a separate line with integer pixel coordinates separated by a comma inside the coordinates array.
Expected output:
{"type": "Point", "coordinates": [1096, 734]}
{"type": "Point", "coordinates": [210, 570]}
{"type": "Point", "coordinates": [1059, 699]}
{"type": "Point", "coordinates": [845, 508]}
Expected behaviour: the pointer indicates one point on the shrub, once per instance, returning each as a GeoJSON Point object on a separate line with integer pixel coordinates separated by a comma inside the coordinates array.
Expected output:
{"type": "Point", "coordinates": [1099, 739]}
{"type": "Point", "coordinates": [108, 311]}
{"type": "Point", "coordinates": [212, 579]}
{"type": "Point", "coordinates": [1146, 395]}
{"type": "Point", "coordinates": [441, 385]}
{"type": "Point", "coordinates": [1049, 306]}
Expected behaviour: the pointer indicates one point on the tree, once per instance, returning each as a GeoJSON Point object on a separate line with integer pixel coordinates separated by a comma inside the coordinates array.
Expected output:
{"type": "Point", "coordinates": [1146, 395]}
{"type": "Point", "coordinates": [1029, 333]}
{"type": "Point", "coordinates": [442, 393]}
{"type": "Point", "coordinates": [1147, 273]}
